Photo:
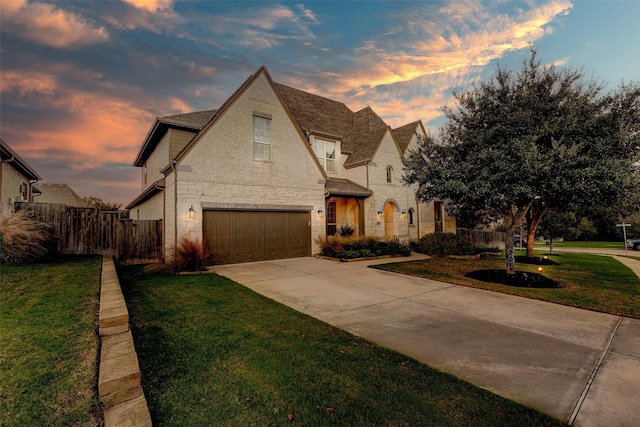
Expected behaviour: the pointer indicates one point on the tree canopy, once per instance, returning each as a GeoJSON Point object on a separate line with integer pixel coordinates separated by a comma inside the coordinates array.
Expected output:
{"type": "Point", "coordinates": [97, 202]}
{"type": "Point", "coordinates": [523, 143]}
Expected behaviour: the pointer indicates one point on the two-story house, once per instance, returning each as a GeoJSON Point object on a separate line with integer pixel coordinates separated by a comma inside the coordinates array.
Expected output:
{"type": "Point", "coordinates": [275, 169]}
{"type": "Point", "coordinates": [16, 179]}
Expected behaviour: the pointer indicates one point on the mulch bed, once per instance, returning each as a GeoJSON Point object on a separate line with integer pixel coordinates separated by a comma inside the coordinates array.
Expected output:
{"type": "Point", "coordinates": [520, 279]}
{"type": "Point", "coordinates": [536, 260]}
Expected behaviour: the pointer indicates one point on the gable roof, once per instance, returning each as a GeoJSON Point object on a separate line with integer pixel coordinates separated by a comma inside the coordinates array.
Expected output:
{"type": "Point", "coordinates": [404, 134]}
{"type": "Point", "coordinates": [10, 156]}
{"type": "Point", "coordinates": [360, 133]}
{"type": "Point", "coordinates": [194, 122]}
{"type": "Point", "coordinates": [59, 194]}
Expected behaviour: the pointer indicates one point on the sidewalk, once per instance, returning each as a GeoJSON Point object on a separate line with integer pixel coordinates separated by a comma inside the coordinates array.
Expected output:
{"type": "Point", "coordinates": [577, 365]}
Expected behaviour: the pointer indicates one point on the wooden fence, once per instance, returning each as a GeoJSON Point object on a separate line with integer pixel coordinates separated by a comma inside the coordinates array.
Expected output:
{"type": "Point", "coordinates": [483, 237]}
{"type": "Point", "coordinates": [91, 231]}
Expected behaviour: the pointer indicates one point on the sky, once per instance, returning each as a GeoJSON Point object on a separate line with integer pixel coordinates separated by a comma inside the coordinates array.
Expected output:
{"type": "Point", "coordinates": [81, 82]}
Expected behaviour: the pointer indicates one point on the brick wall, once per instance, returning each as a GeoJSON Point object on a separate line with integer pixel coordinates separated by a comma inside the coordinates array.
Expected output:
{"type": "Point", "coordinates": [220, 168]}
{"type": "Point", "coordinates": [11, 181]}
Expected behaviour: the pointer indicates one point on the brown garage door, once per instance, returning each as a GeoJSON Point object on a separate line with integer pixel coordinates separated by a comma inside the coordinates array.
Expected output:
{"type": "Point", "coordinates": [246, 236]}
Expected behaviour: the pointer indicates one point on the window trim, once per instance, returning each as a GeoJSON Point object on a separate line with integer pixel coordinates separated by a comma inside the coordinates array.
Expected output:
{"type": "Point", "coordinates": [258, 143]}
{"type": "Point", "coordinates": [323, 160]}
{"type": "Point", "coordinates": [389, 174]}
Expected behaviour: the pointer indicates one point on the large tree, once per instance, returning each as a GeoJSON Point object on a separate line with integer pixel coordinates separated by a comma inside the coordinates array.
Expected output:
{"type": "Point", "coordinates": [526, 142]}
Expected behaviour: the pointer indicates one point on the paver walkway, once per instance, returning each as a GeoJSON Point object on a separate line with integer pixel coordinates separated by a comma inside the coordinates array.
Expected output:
{"type": "Point", "coordinates": [577, 365]}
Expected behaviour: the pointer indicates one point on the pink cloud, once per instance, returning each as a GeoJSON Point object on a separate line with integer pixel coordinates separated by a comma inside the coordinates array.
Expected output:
{"type": "Point", "coordinates": [150, 5]}
{"type": "Point", "coordinates": [46, 24]}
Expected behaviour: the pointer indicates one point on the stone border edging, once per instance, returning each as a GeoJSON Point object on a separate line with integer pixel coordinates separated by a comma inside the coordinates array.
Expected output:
{"type": "Point", "coordinates": [119, 386]}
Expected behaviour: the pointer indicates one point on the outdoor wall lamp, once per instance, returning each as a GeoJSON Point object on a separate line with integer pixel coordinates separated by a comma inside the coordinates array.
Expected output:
{"type": "Point", "coordinates": [320, 213]}
{"type": "Point", "coordinates": [404, 213]}
{"type": "Point", "coordinates": [380, 213]}
{"type": "Point", "coordinates": [192, 213]}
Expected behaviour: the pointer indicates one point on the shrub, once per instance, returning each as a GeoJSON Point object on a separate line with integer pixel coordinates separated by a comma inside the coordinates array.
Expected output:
{"type": "Point", "coordinates": [23, 240]}
{"type": "Point", "coordinates": [362, 247]}
{"type": "Point", "coordinates": [346, 230]}
{"type": "Point", "coordinates": [396, 246]}
{"type": "Point", "coordinates": [190, 256]}
{"type": "Point", "coordinates": [445, 244]}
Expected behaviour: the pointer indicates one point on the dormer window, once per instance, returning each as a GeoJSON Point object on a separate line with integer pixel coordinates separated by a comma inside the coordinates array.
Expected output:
{"type": "Point", "coordinates": [326, 153]}
{"type": "Point", "coordinates": [389, 174]}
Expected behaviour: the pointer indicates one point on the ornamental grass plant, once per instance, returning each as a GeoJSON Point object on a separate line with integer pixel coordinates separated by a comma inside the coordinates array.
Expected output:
{"type": "Point", "coordinates": [22, 239]}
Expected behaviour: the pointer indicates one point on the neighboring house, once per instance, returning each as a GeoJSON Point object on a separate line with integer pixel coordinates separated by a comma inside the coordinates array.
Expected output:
{"type": "Point", "coordinates": [274, 170]}
{"type": "Point", "coordinates": [16, 179]}
{"type": "Point", "coordinates": [60, 194]}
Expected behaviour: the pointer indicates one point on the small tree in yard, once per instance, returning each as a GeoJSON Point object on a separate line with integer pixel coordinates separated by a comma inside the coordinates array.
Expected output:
{"type": "Point", "coordinates": [556, 225]}
{"type": "Point", "coordinates": [529, 142]}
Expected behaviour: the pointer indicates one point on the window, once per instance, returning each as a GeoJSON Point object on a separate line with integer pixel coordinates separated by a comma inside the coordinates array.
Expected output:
{"type": "Point", "coordinates": [437, 216]}
{"type": "Point", "coordinates": [326, 153]}
{"type": "Point", "coordinates": [331, 218]}
{"type": "Point", "coordinates": [410, 213]}
{"type": "Point", "coordinates": [261, 138]}
{"type": "Point", "coordinates": [24, 191]}
{"type": "Point", "coordinates": [389, 174]}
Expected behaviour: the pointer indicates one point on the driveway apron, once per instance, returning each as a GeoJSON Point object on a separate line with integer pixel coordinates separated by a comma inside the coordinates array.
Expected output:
{"type": "Point", "coordinates": [580, 366]}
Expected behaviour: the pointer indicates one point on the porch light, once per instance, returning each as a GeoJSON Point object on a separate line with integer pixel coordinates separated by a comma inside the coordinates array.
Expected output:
{"type": "Point", "coordinates": [192, 213]}
{"type": "Point", "coordinates": [379, 213]}
{"type": "Point", "coordinates": [404, 213]}
{"type": "Point", "coordinates": [320, 213]}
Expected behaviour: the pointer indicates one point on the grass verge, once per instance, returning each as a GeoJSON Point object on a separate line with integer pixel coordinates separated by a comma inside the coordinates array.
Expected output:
{"type": "Point", "coordinates": [48, 320]}
{"type": "Point", "coordinates": [598, 283]}
{"type": "Point", "coordinates": [215, 353]}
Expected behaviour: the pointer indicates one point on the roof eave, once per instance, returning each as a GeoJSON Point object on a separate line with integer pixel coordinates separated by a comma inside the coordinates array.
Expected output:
{"type": "Point", "coordinates": [149, 192]}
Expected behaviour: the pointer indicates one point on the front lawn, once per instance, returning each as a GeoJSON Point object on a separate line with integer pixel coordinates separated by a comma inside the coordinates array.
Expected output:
{"type": "Point", "coordinates": [49, 343]}
{"type": "Point", "coordinates": [213, 352]}
{"type": "Point", "coordinates": [586, 244]}
{"type": "Point", "coordinates": [593, 282]}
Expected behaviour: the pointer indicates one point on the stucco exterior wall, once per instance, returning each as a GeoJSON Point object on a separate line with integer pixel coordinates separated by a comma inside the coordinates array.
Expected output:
{"type": "Point", "coordinates": [152, 208]}
{"type": "Point", "coordinates": [219, 167]}
{"type": "Point", "coordinates": [11, 181]}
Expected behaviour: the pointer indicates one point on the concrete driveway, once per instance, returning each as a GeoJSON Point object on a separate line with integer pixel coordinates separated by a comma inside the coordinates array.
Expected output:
{"type": "Point", "coordinates": [580, 366]}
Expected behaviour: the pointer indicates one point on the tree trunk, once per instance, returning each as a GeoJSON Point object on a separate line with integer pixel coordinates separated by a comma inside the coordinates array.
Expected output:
{"type": "Point", "coordinates": [531, 237]}
{"type": "Point", "coordinates": [510, 260]}
{"type": "Point", "coordinates": [551, 246]}
{"type": "Point", "coordinates": [535, 216]}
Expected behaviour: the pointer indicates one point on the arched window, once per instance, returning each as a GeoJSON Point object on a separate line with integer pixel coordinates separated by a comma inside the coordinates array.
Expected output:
{"type": "Point", "coordinates": [389, 174]}
{"type": "Point", "coordinates": [410, 213]}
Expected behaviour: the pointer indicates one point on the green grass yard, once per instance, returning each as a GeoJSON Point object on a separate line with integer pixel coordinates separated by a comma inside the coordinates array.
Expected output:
{"type": "Point", "coordinates": [49, 343]}
{"type": "Point", "coordinates": [213, 352]}
{"type": "Point", "coordinates": [594, 282]}
{"type": "Point", "coordinates": [586, 244]}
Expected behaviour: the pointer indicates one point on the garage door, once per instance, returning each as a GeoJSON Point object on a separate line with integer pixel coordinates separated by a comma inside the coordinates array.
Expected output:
{"type": "Point", "coordinates": [247, 236]}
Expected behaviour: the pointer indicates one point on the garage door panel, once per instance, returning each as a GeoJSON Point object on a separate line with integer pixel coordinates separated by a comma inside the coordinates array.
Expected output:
{"type": "Point", "coordinates": [298, 235]}
{"type": "Point", "coordinates": [247, 236]}
{"type": "Point", "coordinates": [218, 235]}
{"type": "Point", "coordinates": [275, 238]}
